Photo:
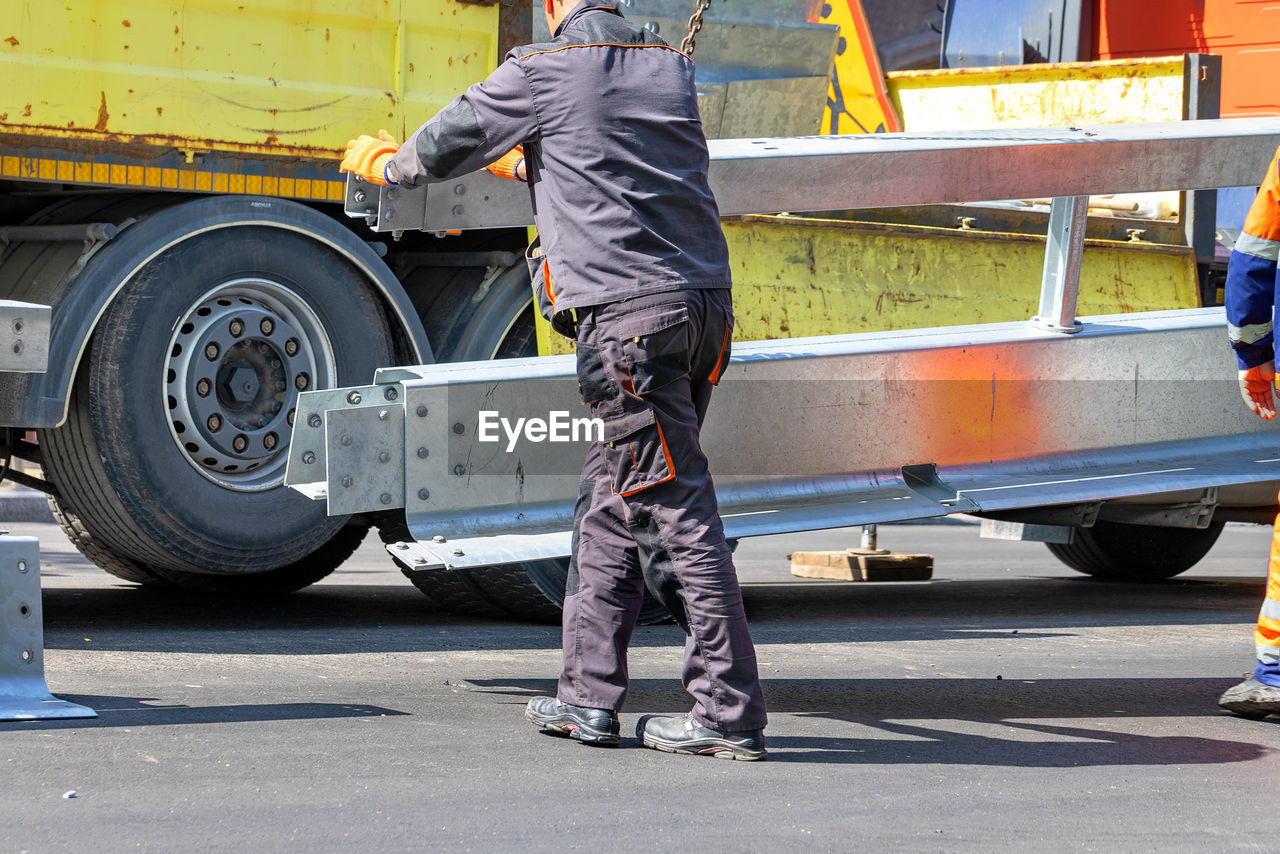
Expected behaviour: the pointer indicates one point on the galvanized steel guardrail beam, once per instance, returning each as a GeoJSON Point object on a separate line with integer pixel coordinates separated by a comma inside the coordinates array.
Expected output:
{"type": "Point", "coordinates": [824, 432]}
{"type": "Point", "coordinates": [818, 173]}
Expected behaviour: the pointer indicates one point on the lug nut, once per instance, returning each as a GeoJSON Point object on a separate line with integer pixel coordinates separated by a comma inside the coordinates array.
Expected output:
{"type": "Point", "coordinates": [215, 423]}
{"type": "Point", "coordinates": [266, 326]}
{"type": "Point", "coordinates": [289, 418]}
{"type": "Point", "coordinates": [203, 388]}
{"type": "Point", "coordinates": [236, 327]}
{"type": "Point", "coordinates": [301, 381]}
{"type": "Point", "coordinates": [276, 363]}
{"type": "Point", "coordinates": [240, 443]}
{"type": "Point", "coordinates": [269, 441]}
{"type": "Point", "coordinates": [211, 351]}
{"type": "Point", "coordinates": [291, 346]}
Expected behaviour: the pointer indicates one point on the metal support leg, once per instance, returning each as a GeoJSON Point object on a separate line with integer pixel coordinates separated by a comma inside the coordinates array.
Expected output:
{"type": "Point", "coordinates": [24, 696]}
{"type": "Point", "coordinates": [1064, 250]}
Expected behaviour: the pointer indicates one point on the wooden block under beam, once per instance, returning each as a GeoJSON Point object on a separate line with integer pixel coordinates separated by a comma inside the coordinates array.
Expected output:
{"type": "Point", "coordinates": [862, 565]}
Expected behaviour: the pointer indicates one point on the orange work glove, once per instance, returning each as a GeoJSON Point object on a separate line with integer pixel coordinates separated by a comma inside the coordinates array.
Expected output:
{"type": "Point", "coordinates": [368, 157]}
{"type": "Point", "coordinates": [1255, 388]}
{"type": "Point", "coordinates": [508, 165]}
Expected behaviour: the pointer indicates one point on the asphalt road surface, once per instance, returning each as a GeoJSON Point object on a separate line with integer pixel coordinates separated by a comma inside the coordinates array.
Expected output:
{"type": "Point", "coordinates": [1009, 704]}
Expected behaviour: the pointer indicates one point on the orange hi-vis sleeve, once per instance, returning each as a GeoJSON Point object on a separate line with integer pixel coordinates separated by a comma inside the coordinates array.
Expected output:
{"type": "Point", "coordinates": [1264, 216]}
{"type": "Point", "coordinates": [1267, 635]}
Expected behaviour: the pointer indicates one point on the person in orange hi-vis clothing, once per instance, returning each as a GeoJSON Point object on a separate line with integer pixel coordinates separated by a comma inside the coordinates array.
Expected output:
{"type": "Point", "coordinates": [1251, 298]}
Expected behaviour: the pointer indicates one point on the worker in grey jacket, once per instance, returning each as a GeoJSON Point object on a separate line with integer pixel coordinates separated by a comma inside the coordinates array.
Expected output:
{"type": "Point", "coordinates": [603, 123]}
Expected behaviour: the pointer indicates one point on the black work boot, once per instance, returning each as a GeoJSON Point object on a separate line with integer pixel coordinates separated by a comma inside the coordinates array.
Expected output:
{"type": "Point", "coordinates": [590, 726]}
{"type": "Point", "coordinates": [1252, 699]}
{"type": "Point", "coordinates": [682, 734]}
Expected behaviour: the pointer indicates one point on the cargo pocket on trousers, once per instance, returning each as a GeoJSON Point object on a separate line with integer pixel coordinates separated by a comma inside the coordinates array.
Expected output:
{"type": "Point", "coordinates": [635, 452]}
{"type": "Point", "coordinates": [593, 381]}
{"type": "Point", "coordinates": [657, 354]}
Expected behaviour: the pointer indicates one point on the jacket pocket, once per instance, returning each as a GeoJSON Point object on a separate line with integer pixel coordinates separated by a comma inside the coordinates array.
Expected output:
{"type": "Point", "coordinates": [593, 380]}
{"type": "Point", "coordinates": [635, 452]}
{"type": "Point", "coordinates": [657, 350]}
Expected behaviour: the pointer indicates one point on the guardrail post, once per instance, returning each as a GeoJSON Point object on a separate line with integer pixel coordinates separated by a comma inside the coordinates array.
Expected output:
{"type": "Point", "coordinates": [24, 696]}
{"type": "Point", "coordinates": [1064, 251]}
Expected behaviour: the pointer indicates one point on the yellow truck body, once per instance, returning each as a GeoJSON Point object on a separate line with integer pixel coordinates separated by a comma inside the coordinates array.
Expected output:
{"type": "Point", "coordinates": [95, 91]}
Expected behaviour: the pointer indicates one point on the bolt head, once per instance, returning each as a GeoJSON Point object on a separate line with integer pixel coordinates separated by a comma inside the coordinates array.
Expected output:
{"type": "Point", "coordinates": [421, 412]}
{"type": "Point", "coordinates": [354, 398]}
{"type": "Point", "coordinates": [438, 538]}
{"type": "Point", "coordinates": [211, 351]}
{"type": "Point", "coordinates": [459, 429]}
{"type": "Point", "coordinates": [345, 440]}
{"type": "Point", "coordinates": [459, 469]}
{"type": "Point", "coordinates": [22, 566]}
{"type": "Point", "coordinates": [267, 326]}
{"type": "Point", "coordinates": [458, 553]}
{"type": "Point", "coordinates": [215, 423]}
{"type": "Point", "coordinates": [203, 388]}
{"type": "Point", "coordinates": [385, 498]}
{"type": "Point", "coordinates": [313, 420]}
{"type": "Point", "coordinates": [422, 453]}
{"type": "Point", "coordinates": [269, 441]}
{"type": "Point", "coordinates": [384, 457]}
{"type": "Point", "coordinates": [346, 481]}
{"type": "Point", "coordinates": [423, 495]}
{"type": "Point", "coordinates": [240, 443]}
{"type": "Point", "coordinates": [308, 458]}
{"type": "Point", "coordinates": [236, 327]}
{"type": "Point", "coordinates": [291, 346]}
{"type": "Point", "coordinates": [301, 381]}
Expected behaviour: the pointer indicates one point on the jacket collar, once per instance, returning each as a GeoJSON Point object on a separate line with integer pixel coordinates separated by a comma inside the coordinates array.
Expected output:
{"type": "Point", "coordinates": [584, 7]}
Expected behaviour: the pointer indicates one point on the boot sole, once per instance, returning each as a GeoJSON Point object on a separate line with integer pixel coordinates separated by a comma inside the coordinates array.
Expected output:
{"type": "Point", "coordinates": [568, 726]}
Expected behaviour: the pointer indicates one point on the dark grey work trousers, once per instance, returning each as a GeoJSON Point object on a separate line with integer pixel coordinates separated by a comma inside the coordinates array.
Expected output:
{"type": "Point", "coordinates": [646, 513]}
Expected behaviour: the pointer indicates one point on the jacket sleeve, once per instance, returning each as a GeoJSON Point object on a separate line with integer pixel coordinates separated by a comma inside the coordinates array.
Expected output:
{"type": "Point", "coordinates": [1251, 277]}
{"type": "Point", "coordinates": [475, 129]}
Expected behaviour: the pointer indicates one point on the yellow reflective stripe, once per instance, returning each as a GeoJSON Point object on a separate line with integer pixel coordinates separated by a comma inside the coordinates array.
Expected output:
{"type": "Point", "coordinates": [198, 180]}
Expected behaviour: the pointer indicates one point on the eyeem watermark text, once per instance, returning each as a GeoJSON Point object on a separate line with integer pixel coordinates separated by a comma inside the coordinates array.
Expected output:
{"type": "Point", "coordinates": [557, 427]}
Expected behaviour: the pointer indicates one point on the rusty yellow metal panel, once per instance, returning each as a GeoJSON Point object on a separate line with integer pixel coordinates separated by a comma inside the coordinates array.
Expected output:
{"type": "Point", "coordinates": [796, 277]}
{"type": "Point", "coordinates": [266, 77]}
{"type": "Point", "coordinates": [1139, 90]}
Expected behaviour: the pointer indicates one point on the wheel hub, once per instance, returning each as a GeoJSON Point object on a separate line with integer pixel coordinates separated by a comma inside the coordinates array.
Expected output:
{"type": "Point", "coordinates": [238, 361]}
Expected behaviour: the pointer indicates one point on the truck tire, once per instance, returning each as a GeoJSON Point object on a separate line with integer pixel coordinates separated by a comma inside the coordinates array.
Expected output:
{"type": "Point", "coordinates": [1122, 552]}
{"type": "Point", "coordinates": [171, 460]}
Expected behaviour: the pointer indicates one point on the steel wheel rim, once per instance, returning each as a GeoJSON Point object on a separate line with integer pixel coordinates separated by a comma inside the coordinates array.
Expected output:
{"type": "Point", "coordinates": [228, 358]}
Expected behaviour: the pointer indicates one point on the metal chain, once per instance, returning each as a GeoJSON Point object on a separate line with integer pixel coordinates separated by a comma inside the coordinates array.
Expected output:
{"type": "Point", "coordinates": [695, 24]}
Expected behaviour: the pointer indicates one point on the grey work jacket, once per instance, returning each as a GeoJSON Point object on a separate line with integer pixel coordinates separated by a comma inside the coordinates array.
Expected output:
{"type": "Point", "coordinates": [615, 152]}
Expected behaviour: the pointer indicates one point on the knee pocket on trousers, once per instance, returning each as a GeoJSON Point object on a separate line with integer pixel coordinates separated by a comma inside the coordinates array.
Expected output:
{"type": "Point", "coordinates": [635, 452]}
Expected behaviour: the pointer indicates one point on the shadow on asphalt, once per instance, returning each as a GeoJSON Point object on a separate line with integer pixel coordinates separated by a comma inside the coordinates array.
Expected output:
{"type": "Point", "coordinates": [143, 711]}
{"type": "Point", "coordinates": [331, 619]}
{"type": "Point", "coordinates": [921, 721]}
